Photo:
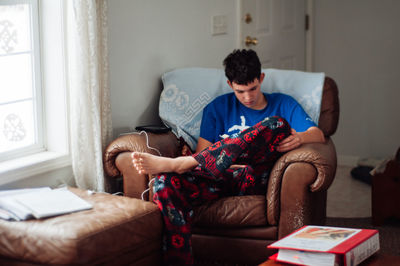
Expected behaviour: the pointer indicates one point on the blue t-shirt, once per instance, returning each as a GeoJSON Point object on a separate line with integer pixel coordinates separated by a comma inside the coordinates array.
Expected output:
{"type": "Point", "coordinates": [226, 116]}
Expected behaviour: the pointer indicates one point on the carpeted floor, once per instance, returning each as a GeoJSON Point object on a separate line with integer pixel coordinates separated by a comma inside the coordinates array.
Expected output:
{"type": "Point", "coordinates": [349, 205]}
{"type": "Point", "coordinates": [348, 197]}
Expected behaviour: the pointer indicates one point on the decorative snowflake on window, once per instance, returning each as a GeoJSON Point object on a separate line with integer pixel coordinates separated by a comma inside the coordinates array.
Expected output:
{"type": "Point", "coordinates": [14, 129]}
{"type": "Point", "coordinates": [8, 36]}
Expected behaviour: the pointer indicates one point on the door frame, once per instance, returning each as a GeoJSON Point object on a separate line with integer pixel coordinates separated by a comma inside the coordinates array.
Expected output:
{"type": "Point", "coordinates": [309, 46]}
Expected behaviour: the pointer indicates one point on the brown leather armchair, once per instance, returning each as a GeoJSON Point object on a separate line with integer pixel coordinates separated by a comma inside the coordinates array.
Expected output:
{"type": "Point", "coordinates": [238, 229]}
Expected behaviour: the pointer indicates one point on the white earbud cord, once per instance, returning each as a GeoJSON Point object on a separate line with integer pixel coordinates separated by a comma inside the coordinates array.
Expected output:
{"type": "Point", "coordinates": [151, 148]}
{"type": "Point", "coordinates": [147, 141]}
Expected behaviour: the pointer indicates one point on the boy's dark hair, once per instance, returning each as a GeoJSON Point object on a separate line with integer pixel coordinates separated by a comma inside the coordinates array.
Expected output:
{"type": "Point", "coordinates": [242, 66]}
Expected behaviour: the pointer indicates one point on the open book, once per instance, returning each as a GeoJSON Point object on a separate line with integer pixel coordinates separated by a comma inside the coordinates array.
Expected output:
{"type": "Point", "coordinates": [23, 204]}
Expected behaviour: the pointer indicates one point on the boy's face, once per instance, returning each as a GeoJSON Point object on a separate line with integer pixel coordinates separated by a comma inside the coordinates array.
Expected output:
{"type": "Point", "coordinates": [250, 95]}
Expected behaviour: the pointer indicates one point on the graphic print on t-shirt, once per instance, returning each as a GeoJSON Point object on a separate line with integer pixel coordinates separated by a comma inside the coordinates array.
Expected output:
{"type": "Point", "coordinates": [236, 129]}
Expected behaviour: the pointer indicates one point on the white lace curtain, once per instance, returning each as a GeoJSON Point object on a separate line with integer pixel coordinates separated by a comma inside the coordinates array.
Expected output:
{"type": "Point", "coordinates": [87, 78]}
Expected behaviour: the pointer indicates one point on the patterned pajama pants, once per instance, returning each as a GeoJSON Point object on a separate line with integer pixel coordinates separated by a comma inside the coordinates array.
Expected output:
{"type": "Point", "coordinates": [176, 194]}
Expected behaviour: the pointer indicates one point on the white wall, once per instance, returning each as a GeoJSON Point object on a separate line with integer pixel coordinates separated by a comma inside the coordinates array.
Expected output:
{"type": "Point", "coordinates": [150, 37]}
{"type": "Point", "coordinates": [357, 43]}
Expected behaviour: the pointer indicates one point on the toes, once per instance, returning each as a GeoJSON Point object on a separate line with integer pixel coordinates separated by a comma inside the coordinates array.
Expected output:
{"type": "Point", "coordinates": [139, 169]}
{"type": "Point", "coordinates": [137, 161]}
{"type": "Point", "coordinates": [135, 155]}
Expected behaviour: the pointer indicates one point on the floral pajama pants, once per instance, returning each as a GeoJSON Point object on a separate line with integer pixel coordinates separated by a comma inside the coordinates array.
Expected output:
{"type": "Point", "coordinates": [176, 194]}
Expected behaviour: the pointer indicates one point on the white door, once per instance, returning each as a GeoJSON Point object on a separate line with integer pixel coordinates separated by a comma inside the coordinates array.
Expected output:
{"type": "Point", "coordinates": [276, 31]}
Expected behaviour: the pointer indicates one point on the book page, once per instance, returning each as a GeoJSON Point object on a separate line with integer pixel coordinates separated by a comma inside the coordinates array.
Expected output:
{"type": "Point", "coordinates": [306, 258]}
{"type": "Point", "coordinates": [363, 251]}
{"type": "Point", "coordinates": [11, 209]}
{"type": "Point", "coordinates": [316, 238]}
{"type": "Point", "coordinates": [53, 202]}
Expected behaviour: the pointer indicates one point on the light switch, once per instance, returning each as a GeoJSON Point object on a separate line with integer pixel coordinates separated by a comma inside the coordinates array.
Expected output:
{"type": "Point", "coordinates": [219, 25]}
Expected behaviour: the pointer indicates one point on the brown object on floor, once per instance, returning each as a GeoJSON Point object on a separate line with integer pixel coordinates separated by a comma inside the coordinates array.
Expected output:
{"type": "Point", "coordinates": [386, 192]}
{"type": "Point", "coordinates": [117, 231]}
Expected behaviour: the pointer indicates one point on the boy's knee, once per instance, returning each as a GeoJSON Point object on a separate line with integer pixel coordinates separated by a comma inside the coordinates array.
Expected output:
{"type": "Point", "coordinates": [276, 123]}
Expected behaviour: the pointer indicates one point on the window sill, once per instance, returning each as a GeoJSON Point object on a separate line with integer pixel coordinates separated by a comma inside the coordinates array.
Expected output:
{"type": "Point", "coordinates": [39, 163]}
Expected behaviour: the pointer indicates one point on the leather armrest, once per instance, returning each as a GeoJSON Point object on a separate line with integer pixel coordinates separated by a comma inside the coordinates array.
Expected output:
{"type": "Point", "coordinates": [166, 143]}
{"type": "Point", "coordinates": [308, 169]}
{"type": "Point", "coordinates": [117, 160]}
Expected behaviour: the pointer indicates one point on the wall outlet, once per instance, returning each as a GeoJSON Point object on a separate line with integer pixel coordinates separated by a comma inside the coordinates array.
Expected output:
{"type": "Point", "coordinates": [219, 25]}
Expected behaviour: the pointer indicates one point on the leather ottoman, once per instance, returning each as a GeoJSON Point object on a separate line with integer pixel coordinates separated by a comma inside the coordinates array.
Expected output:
{"type": "Point", "coordinates": [117, 231]}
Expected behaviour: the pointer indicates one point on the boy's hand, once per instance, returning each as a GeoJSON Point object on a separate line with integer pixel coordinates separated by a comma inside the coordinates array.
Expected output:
{"type": "Point", "coordinates": [290, 143]}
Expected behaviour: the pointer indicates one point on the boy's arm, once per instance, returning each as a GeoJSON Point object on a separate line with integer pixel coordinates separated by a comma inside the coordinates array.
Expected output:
{"type": "Point", "coordinates": [202, 144]}
{"type": "Point", "coordinates": [313, 134]}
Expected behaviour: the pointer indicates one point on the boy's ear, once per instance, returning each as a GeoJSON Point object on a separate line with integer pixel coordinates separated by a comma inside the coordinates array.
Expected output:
{"type": "Point", "coordinates": [262, 76]}
{"type": "Point", "coordinates": [229, 83]}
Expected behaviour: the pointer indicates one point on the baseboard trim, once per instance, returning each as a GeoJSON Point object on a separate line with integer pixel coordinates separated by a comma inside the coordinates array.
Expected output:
{"type": "Point", "coordinates": [347, 160]}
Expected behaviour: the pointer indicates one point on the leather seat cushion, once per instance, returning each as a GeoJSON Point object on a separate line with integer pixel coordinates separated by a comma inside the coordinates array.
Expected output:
{"type": "Point", "coordinates": [237, 211]}
{"type": "Point", "coordinates": [116, 225]}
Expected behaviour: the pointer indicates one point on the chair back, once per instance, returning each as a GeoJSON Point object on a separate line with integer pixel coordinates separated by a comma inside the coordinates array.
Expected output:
{"type": "Point", "coordinates": [188, 90]}
{"type": "Point", "coordinates": [330, 108]}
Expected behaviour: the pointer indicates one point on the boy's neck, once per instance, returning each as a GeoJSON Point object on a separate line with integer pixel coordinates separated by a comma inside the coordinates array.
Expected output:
{"type": "Point", "coordinates": [263, 103]}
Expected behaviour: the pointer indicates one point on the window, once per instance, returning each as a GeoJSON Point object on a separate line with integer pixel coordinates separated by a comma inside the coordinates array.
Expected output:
{"type": "Point", "coordinates": [21, 129]}
{"type": "Point", "coordinates": [34, 146]}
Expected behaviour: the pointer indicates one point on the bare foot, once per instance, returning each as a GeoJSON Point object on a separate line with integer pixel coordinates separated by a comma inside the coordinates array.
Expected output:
{"type": "Point", "coordinates": [146, 163]}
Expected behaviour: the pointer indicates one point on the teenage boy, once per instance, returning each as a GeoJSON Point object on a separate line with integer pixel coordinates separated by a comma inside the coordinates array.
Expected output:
{"type": "Point", "coordinates": [242, 134]}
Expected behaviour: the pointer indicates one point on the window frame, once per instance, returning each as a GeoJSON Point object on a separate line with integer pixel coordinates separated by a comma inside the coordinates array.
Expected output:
{"type": "Point", "coordinates": [37, 103]}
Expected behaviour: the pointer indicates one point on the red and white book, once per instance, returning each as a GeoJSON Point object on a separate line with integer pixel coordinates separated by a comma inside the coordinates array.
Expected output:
{"type": "Point", "coordinates": [325, 245]}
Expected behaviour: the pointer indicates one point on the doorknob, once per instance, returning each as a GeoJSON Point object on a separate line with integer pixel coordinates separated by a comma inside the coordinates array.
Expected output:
{"type": "Point", "coordinates": [250, 41]}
